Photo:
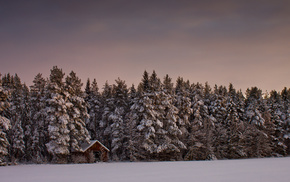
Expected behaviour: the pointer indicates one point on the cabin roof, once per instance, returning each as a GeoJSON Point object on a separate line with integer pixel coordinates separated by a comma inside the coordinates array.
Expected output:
{"type": "Point", "coordinates": [86, 146]}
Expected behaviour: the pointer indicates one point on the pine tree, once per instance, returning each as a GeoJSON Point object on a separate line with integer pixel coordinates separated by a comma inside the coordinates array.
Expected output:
{"type": "Point", "coordinates": [4, 125]}
{"type": "Point", "coordinates": [256, 137]}
{"type": "Point", "coordinates": [38, 127]}
{"type": "Point", "coordinates": [200, 146]}
{"type": "Point", "coordinates": [154, 127]}
{"type": "Point", "coordinates": [285, 94]}
{"type": "Point", "coordinates": [7, 81]}
{"type": "Point", "coordinates": [146, 118]}
{"type": "Point", "coordinates": [130, 134]}
{"type": "Point", "coordinates": [234, 127]}
{"type": "Point", "coordinates": [94, 100]}
{"type": "Point", "coordinates": [168, 85]}
{"type": "Point", "coordinates": [16, 134]}
{"type": "Point", "coordinates": [277, 118]}
{"type": "Point", "coordinates": [183, 104]}
{"type": "Point", "coordinates": [27, 122]}
{"type": "Point", "coordinates": [252, 108]}
{"type": "Point", "coordinates": [144, 85]}
{"type": "Point", "coordinates": [57, 119]}
{"type": "Point", "coordinates": [239, 101]}
{"type": "Point", "coordinates": [217, 109]}
{"type": "Point", "coordinates": [77, 113]}
{"type": "Point", "coordinates": [156, 119]}
{"type": "Point", "coordinates": [171, 146]}
{"type": "Point", "coordinates": [107, 107]}
{"type": "Point", "coordinates": [117, 119]}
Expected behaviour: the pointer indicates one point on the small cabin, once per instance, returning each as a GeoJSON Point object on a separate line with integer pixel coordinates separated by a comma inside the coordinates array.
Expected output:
{"type": "Point", "coordinates": [91, 152]}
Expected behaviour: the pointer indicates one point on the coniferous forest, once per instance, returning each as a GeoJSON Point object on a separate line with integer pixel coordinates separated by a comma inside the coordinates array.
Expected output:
{"type": "Point", "coordinates": [158, 120]}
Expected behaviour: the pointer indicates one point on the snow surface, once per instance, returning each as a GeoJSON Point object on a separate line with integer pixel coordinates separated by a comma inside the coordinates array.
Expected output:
{"type": "Point", "coordinates": [256, 170]}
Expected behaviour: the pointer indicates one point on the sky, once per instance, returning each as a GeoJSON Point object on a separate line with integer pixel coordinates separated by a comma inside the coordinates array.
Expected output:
{"type": "Point", "coordinates": [243, 42]}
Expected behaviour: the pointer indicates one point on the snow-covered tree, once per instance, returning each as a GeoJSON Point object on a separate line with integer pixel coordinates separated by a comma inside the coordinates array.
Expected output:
{"type": "Point", "coordinates": [257, 140]}
{"type": "Point", "coordinates": [278, 121]}
{"type": "Point", "coordinates": [234, 127]}
{"type": "Point", "coordinates": [200, 146]}
{"type": "Point", "coordinates": [94, 100]}
{"type": "Point", "coordinates": [285, 94]}
{"type": "Point", "coordinates": [4, 125]}
{"type": "Point", "coordinates": [144, 85]}
{"type": "Point", "coordinates": [7, 81]}
{"type": "Point", "coordinates": [77, 113]}
{"type": "Point", "coordinates": [117, 119]}
{"type": "Point", "coordinates": [171, 146]}
{"type": "Point", "coordinates": [146, 118]}
{"type": "Point", "coordinates": [130, 134]}
{"type": "Point", "coordinates": [57, 118]}
{"type": "Point", "coordinates": [16, 134]}
{"type": "Point", "coordinates": [107, 107]}
{"type": "Point", "coordinates": [183, 104]}
{"type": "Point", "coordinates": [38, 128]}
{"type": "Point", "coordinates": [156, 120]}
{"type": "Point", "coordinates": [27, 124]}
{"type": "Point", "coordinates": [217, 102]}
{"type": "Point", "coordinates": [253, 105]}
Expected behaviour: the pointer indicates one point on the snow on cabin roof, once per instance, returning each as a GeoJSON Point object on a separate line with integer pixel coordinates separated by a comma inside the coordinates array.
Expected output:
{"type": "Point", "coordinates": [86, 146]}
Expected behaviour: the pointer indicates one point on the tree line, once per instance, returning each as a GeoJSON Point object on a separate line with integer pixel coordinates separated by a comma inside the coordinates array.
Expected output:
{"type": "Point", "coordinates": [155, 121]}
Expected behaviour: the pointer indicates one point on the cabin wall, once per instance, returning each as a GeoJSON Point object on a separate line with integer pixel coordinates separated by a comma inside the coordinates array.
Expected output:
{"type": "Point", "coordinates": [104, 156]}
{"type": "Point", "coordinates": [90, 157]}
{"type": "Point", "coordinates": [87, 157]}
{"type": "Point", "coordinates": [79, 158]}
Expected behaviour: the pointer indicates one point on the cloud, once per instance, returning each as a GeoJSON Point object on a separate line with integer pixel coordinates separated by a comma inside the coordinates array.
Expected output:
{"type": "Point", "coordinates": [200, 40]}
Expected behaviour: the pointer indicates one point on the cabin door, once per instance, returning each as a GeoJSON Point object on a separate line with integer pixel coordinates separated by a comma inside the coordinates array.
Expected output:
{"type": "Point", "coordinates": [97, 155]}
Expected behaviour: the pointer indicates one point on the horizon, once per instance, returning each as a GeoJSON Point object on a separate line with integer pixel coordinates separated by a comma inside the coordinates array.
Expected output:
{"type": "Point", "coordinates": [84, 82]}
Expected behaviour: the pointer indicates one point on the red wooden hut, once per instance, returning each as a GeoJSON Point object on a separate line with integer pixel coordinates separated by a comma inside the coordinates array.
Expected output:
{"type": "Point", "coordinates": [91, 152]}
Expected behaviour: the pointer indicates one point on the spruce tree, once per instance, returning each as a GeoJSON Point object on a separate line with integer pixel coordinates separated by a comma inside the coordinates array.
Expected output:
{"type": "Point", "coordinates": [38, 127]}
{"type": "Point", "coordinates": [77, 113]}
{"type": "Point", "coordinates": [256, 137]}
{"type": "Point", "coordinates": [57, 119]}
{"type": "Point", "coordinates": [217, 109]}
{"type": "Point", "coordinates": [156, 119]}
{"type": "Point", "coordinates": [234, 127]}
{"type": "Point", "coordinates": [183, 104]}
{"type": "Point", "coordinates": [200, 146]}
{"type": "Point", "coordinates": [278, 120]}
{"type": "Point", "coordinates": [117, 119]}
{"type": "Point", "coordinates": [16, 134]}
{"type": "Point", "coordinates": [94, 100]}
{"type": "Point", "coordinates": [27, 122]}
{"type": "Point", "coordinates": [4, 126]}
{"type": "Point", "coordinates": [172, 146]}
{"type": "Point", "coordinates": [146, 118]}
{"type": "Point", "coordinates": [285, 94]}
{"type": "Point", "coordinates": [253, 105]}
{"type": "Point", "coordinates": [130, 134]}
{"type": "Point", "coordinates": [107, 107]}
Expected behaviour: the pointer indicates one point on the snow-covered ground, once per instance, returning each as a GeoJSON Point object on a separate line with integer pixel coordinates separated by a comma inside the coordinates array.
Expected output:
{"type": "Point", "coordinates": [256, 170]}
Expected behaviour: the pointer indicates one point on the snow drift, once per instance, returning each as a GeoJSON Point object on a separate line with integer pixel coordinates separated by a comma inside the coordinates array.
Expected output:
{"type": "Point", "coordinates": [264, 170]}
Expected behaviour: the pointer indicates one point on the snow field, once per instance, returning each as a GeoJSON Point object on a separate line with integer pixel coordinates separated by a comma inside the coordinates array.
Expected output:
{"type": "Point", "coordinates": [248, 170]}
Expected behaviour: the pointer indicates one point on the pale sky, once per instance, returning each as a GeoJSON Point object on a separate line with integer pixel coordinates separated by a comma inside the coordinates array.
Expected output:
{"type": "Point", "coordinates": [245, 42]}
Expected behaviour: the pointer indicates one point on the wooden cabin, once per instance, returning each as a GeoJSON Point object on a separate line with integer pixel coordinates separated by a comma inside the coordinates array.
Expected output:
{"type": "Point", "coordinates": [91, 152]}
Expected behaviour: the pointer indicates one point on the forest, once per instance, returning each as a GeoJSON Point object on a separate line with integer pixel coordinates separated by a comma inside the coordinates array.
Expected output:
{"type": "Point", "coordinates": [158, 120]}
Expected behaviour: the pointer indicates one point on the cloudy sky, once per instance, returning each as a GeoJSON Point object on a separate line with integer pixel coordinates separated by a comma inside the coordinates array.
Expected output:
{"type": "Point", "coordinates": [245, 42]}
